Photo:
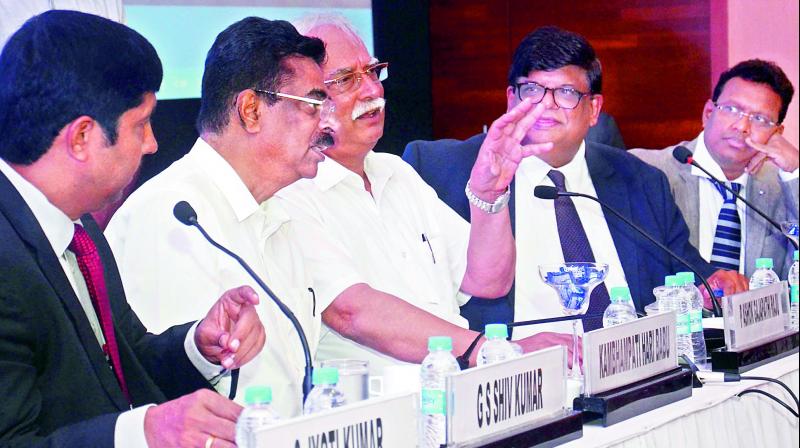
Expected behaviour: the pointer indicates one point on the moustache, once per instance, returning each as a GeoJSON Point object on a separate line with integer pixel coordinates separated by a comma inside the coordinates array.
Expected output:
{"type": "Point", "coordinates": [363, 107]}
{"type": "Point", "coordinates": [323, 141]}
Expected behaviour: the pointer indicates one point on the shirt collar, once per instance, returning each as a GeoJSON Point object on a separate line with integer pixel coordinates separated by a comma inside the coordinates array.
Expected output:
{"type": "Point", "coordinates": [331, 173]}
{"type": "Point", "coordinates": [536, 169]}
{"type": "Point", "coordinates": [222, 174]}
{"type": "Point", "coordinates": [704, 159]}
{"type": "Point", "coordinates": [56, 225]}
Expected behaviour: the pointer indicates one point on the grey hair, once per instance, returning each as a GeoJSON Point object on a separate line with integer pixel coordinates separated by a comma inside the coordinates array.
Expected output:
{"type": "Point", "coordinates": [308, 22]}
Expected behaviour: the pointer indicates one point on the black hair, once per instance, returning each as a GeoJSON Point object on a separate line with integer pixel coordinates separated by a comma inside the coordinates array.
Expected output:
{"type": "Point", "coordinates": [249, 54]}
{"type": "Point", "coordinates": [762, 72]}
{"type": "Point", "coordinates": [551, 48]}
{"type": "Point", "coordinates": [61, 65]}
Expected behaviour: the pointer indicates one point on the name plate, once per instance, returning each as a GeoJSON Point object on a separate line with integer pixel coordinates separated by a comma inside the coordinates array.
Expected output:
{"type": "Point", "coordinates": [629, 352]}
{"type": "Point", "coordinates": [388, 422]}
{"type": "Point", "coordinates": [755, 316]}
{"type": "Point", "coordinates": [495, 398]}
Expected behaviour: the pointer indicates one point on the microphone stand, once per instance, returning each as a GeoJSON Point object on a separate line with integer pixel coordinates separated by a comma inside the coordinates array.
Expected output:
{"type": "Point", "coordinates": [717, 309]}
{"type": "Point", "coordinates": [192, 221]}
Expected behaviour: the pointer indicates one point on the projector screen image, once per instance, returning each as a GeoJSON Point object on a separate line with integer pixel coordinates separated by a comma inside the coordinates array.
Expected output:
{"type": "Point", "coordinates": [183, 31]}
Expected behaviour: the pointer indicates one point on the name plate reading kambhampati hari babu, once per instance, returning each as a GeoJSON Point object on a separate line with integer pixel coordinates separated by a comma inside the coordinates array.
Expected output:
{"type": "Point", "coordinates": [629, 352]}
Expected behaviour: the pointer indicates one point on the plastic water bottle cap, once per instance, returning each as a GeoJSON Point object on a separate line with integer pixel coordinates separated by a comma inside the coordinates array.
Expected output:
{"type": "Point", "coordinates": [796, 255]}
{"type": "Point", "coordinates": [440, 343]}
{"type": "Point", "coordinates": [764, 263]}
{"type": "Point", "coordinates": [671, 280]}
{"type": "Point", "coordinates": [496, 331]}
{"type": "Point", "coordinates": [686, 278]}
{"type": "Point", "coordinates": [258, 395]}
{"type": "Point", "coordinates": [325, 375]}
{"type": "Point", "coordinates": [620, 294]}
{"type": "Point", "coordinates": [794, 293]}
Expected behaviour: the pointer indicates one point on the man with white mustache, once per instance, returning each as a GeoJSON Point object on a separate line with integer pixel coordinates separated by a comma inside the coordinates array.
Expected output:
{"type": "Point", "coordinates": [409, 260]}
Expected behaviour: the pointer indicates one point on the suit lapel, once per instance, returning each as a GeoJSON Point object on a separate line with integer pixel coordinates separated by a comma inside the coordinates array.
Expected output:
{"type": "Point", "coordinates": [691, 200]}
{"type": "Point", "coordinates": [612, 191]}
{"type": "Point", "coordinates": [758, 192]}
{"type": "Point", "coordinates": [22, 219]}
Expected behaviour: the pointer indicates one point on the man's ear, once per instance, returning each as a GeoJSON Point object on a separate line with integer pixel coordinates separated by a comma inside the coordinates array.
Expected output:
{"type": "Point", "coordinates": [596, 102]}
{"type": "Point", "coordinates": [708, 108]}
{"type": "Point", "coordinates": [78, 137]}
{"type": "Point", "coordinates": [248, 110]}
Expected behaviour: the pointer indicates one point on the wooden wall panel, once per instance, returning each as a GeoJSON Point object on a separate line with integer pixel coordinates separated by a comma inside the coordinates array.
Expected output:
{"type": "Point", "coordinates": [655, 54]}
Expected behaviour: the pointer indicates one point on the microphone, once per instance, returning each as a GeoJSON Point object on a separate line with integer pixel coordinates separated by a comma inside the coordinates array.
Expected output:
{"type": "Point", "coordinates": [683, 155]}
{"type": "Point", "coordinates": [547, 192]}
{"type": "Point", "coordinates": [184, 213]}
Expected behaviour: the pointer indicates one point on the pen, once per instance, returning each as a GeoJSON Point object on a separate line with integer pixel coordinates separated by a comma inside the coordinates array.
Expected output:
{"type": "Point", "coordinates": [426, 240]}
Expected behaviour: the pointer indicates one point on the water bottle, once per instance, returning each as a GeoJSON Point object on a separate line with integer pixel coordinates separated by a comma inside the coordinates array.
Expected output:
{"type": "Point", "coordinates": [324, 395]}
{"type": "Point", "coordinates": [256, 415]}
{"type": "Point", "coordinates": [439, 363]}
{"type": "Point", "coordinates": [695, 316]}
{"type": "Point", "coordinates": [794, 319]}
{"type": "Point", "coordinates": [764, 275]}
{"type": "Point", "coordinates": [496, 348]}
{"type": "Point", "coordinates": [676, 299]}
{"type": "Point", "coordinates": [621, 308]}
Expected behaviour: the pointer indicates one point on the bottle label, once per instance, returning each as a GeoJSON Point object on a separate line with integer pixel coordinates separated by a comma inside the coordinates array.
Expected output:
{"type": "Point", "coordinates": [682, 325]}
{"type": "Point", "coordinates": [434, 402]}
{"type": "Point", "coordinates": [696, 321]}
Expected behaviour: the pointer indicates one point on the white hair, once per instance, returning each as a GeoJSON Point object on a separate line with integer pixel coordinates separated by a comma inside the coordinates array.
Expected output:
{"type": "Point", "coordinates": [308, 22]}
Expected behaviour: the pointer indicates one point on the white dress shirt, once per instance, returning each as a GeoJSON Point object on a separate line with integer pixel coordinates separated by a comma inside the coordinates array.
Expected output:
{"type": "Point", "coordinates": [401, 240]}
{"type": "Point", "coordinates": [59, 229]}
{"type": "Point", "coordinates": [538, 243]}
{"type": "Point", "coordinates": [172, 274]}
{"type": "Point", "coordinates": [710, 202]}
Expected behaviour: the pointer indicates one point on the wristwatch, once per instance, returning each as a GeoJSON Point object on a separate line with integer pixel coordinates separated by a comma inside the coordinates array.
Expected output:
{"type": "Point", "coordinates": [488, 207]}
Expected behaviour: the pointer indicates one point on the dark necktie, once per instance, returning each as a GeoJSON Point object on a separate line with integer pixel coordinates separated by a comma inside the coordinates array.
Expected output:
{"type": "Point", "coordinates": [92, 269]}
{"type": "Point", "coordinates": [575, 248]}
{"type": "Point", "coordinates": [728, 235]}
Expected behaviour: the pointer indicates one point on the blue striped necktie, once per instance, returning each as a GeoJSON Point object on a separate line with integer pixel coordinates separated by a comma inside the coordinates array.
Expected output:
{"type": "Point", "coordinates": [728, 236]}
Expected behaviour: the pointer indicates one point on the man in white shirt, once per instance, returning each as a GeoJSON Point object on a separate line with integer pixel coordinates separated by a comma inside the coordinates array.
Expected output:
{"type": "Point", "coordinates": [559, 70]}
{"type": "Point", "coordinates": [742, 144]}
{"type": "Point", "coordinates": [410, 260]}
{"type": "Point", "coordinates": [78, 367]}
{"type": "Point", "coordinates": [259, 128]}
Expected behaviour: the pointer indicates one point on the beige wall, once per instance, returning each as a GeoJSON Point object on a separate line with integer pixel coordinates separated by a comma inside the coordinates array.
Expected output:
{"type": "Point", "coordinates": [768, 29]}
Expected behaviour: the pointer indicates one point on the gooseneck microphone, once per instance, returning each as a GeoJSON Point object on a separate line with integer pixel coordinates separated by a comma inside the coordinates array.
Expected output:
{"type": "Point", "coordinates": [683, 155]}
{"type": "Point", "coordinates": [187, 216]}
{"type": "Point", "coordinates": [551, 193]}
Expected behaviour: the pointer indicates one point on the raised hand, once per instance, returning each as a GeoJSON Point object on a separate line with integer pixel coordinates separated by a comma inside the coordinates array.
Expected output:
{"type": "Point", "coordinates": [777, 150]}
{"type": "Point", "coordinates": [502, 150]}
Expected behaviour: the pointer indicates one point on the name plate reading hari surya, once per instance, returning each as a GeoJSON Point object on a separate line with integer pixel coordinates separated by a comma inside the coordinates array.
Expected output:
{"type": "Point", "coordinates": [498, 398]}
{"type": "Point", "coordinates": [630, 352]}
{"type": "Point", "coordinates": [387, 422]}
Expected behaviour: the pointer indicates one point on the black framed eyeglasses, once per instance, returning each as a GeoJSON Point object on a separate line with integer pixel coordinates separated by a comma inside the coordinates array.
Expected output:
{"type": "Point", "coordinates": [734, 113]}
{"type": "Point", "coordinates": [350, 80]}
{"type": "Point", "coordinates": [564, 97]}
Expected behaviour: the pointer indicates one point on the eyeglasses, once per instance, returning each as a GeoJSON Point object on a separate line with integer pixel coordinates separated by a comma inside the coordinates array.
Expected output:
{"type": "Point", "coordinates": [315, 105]}
{"type": "Point", "coordinates": [758, 121]}
{"type": "Point", "coordinates": [352, 79]}
{"type": "Point", "coordinates": [564, 97]}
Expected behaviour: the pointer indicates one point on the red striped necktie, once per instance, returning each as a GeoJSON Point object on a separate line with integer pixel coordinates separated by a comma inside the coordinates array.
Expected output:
{"type": "Point", "coordinates": [92, 269]}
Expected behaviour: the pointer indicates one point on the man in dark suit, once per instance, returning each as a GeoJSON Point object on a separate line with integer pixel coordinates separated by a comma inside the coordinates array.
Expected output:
{"type": "Point", "coordinates": [78, 368]}
{"type": "Point", "coordinates": [560, 70]}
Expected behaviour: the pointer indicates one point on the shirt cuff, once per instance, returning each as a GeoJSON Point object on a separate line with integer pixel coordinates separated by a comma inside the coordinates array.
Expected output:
{"type": "Point", "coordinates": [787, 177]}
{"type": "Point", "coordinates": [215, 374]}
{"type": "Point", "coordinates": [129, 429]}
